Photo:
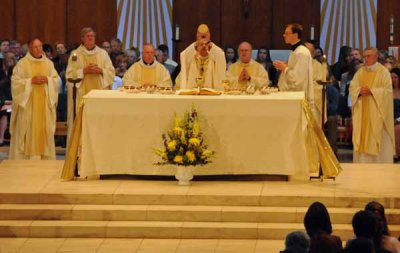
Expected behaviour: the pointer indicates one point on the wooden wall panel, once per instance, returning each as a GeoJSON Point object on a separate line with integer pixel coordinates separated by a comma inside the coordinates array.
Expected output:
{"type": "Point", "coordinates": [253, 25]}
{"type": "Point", "coordinates": [189, 14]}
{"type": "Point", "coordinates": [40, 18]}
{"type": "Point", "coordinates": [101, 15]}
{"type": "Point", "coordinates": [386, 8]}
{"type": "Point", "coordinates": [305, 12]}
{"type": "Point", "coordinates": [7, 19]}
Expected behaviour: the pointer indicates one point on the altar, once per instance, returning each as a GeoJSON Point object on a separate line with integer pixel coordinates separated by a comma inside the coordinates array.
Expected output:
{"type": "Point", "coordinates": [250, 134]}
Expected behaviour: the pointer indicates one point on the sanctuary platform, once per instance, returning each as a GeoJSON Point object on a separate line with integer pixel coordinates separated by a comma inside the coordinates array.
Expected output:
{"type": "Point", "coordinates": [40, 213]}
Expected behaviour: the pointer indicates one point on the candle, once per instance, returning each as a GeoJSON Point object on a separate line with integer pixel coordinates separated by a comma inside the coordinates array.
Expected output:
{"type": "Point", "coordinates": [74, 66]}
{"type": "Point", "coordinates": [177, 32]}
{"type": "Point", "coordinates": [391, 30]}
{"type": "Point", "coordinates": [324, 68]}
{"type": "Point", "coordinates": [312, 32]}
{"type": "Point", "coordinates": [391, 25]}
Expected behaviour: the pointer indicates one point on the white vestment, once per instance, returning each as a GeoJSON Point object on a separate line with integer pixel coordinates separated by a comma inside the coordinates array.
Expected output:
{"type": "Point", "coordinates": [23, 107]}
{"type": "Point", "coordinates": [135, 75]}
{"type": "Point", "coordinates": [298, 76]}
{"type": "Point", "coordinates": [373, 123]}
{"type": "Point", "coordinates": [216, 70]}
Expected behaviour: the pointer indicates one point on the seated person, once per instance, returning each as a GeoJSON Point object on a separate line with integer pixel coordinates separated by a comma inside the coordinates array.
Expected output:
{"type": "Point", "coordinates": [246, 71]}
{"type": "Point", "coordinates": [147, 71]}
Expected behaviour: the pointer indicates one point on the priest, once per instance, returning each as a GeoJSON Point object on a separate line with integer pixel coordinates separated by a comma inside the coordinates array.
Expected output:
{"type": "Point", "coordinates": [372, 111]}
{"type": "Point", "coordinates": [34, 90]}
{"type": "Point", "coordinates": [194, 57]}
{"type": "Point", "coordinates": [92, 66]}
{"type": "Point", "coordinates": [296, 74]}
{"type": "Point", "coordinates": [246, 72]}
{"type": "Point", "coordinates": [147, 71]}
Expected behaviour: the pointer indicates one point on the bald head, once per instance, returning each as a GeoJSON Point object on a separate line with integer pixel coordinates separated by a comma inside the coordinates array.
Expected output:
{"type": "Point", "coordinates": [244, 50]}
{"type": "Point", "coordinates": [148, 53]}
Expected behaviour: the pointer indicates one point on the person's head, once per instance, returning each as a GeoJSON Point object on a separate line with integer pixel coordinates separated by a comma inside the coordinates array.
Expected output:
{"type": "Point", "coordinates": [365, 224]}
{"type": "Point", "coordinates": [371, 56]}
{"type": "Point", "coordinates": [48, 50]}
{"type": "Point", "coordinates": [15, 47]}
{"type": "Point", "coordinates": [317, 220]}
{"type": "Point", "coordinates": [354, 66]}
{"type": "Point", "coordinates": [345, 55]}
{"type": "Point", "coordinates": [159, 55]}
{"type": "Point", "coordinates": [395, 74]}
{"type": "Point", "coordinates": [245, 50]}
{"type": "Point", "coordinates": [106, 46]}
{"type": "Point", "coordinates": [297, 241]}
{"type": "Point", "coordinates": [88, 37]}
{"type": "Point", "coordinates": [165, 51]}
{"type": "Point", "coordinates": [148, 53]}
{"type": "Point", "coordinates": [263, 55]}
{"type": "Point", "coordinates": [203, 33]}
{"type": "Point", "coordinates": [121, 62]}
{"type": "Point", "coordinates": [230, 54]}
{"type": "Point", "coordinates": [202, 47]}
{"type": "Point", "coordinates": [311, 48]}
{"type": "Point", "coordinates": [360, 245]}
{"type": "Point", "coordinates": [131, 56]}
{"type": "Point", "coordinates": [35, 48]}
{"type": "Point", "coordinates": [9, 60]}
{"type": "Point", "coordinates": [375, 206]}
{"type": "Point", "coordinates": [293, 33]}
{"type": "Point", "coordinates": [116, 45]}
{"type": "Point", "coordinates": [4, 46]}
{"type": "Point", "coordinates": [60, 48]}
{"type": "Point", "coordinates": [355, 54]}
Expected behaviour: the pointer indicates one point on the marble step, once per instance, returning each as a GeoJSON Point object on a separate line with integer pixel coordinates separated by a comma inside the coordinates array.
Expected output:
{"type": "Point", "coordinates": [125, 245]}
{"type": "Point", "coordinates": [174, 213]}
{"type": "Point", "coordinates": [160, 198]}
{"type": "Point", "coordinates": [160, 229]}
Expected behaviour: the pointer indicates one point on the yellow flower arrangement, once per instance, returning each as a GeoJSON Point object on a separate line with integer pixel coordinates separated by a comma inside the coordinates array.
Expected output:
{"type": "Point", "coordinates": [184, 143]}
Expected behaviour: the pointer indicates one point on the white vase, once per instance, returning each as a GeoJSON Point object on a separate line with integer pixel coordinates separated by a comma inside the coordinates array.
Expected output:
{"type": "Point", "coordinates": [184, 174]}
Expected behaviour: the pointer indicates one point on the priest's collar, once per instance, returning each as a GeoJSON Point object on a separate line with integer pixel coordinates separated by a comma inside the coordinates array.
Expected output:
{"type": "Point", "coordinates": [296, 45]}
{"type": "Point", "coordinates": [372, 67]}
{"type": "Point", "coordinates": [32, 58]}
{"type": "Point", "coordinates": [148, 64]}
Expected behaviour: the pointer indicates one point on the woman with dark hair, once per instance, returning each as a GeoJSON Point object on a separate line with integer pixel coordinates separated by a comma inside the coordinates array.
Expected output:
{"type": "Point", "coordinates": [382, 238]}
{"type": "Point", "coordinates": [264, 58]}
{"type": "Point", "coordinates": [231, 56]}
{"type": "Point", "coordinates": [342, 65]}
{"type": "Point", "coordinates": [395, 73]}
{"type": "Point", "coordinates": [318, 223]}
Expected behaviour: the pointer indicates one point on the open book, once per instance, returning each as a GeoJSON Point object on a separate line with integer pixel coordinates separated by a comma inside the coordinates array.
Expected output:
{"type": "Point", "coordinates": [202, 91]}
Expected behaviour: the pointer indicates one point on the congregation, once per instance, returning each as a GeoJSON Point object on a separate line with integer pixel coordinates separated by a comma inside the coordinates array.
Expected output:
{"type": "Point", "coordinates": [370, 227]}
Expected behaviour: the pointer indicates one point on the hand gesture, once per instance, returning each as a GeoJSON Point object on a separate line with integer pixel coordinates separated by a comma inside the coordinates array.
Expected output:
{"type": "Point", "coordinates": [280, 65]}
{"type": "Point", "coordinates": [365, 91]}
{"type": "Point", "coordinates": [39, 80]}
{"type": "Point", "coordinates": [244, 75]}
{"type": "Point", "coordinates": [92, 69]}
